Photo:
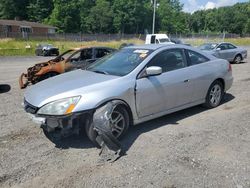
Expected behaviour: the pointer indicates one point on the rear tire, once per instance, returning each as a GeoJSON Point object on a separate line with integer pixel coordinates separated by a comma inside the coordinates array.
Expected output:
{"type": "Point", "coordinates": [119, 128]}
{"type": "Point", "coordinates": [214, 95]}
{"type": "Point", "coordinates": [237, 59]}
{"type": "Point", "coordinates": [45, 53]}
{"type": "Point", "coordinates": [37, 53]}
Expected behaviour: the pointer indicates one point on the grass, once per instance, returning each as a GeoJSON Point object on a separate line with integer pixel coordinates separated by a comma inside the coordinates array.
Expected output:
{"type": "Point", "coordinates": [11, 47]}
{"type": "Point", "coordinates": [14, 47]}
{"type": "Point", "coordinates": [236, 41]}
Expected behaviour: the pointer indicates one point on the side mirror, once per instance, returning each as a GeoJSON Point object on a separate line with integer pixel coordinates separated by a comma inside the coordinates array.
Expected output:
{"type": "Point", "coordinates": [153, 71]}
{"type": "Point", "coordinates": [218, 49]}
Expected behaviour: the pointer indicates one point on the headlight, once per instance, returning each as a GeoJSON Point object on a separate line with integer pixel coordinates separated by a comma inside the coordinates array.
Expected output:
{"type": "Point", "coordinates": [59, 107]}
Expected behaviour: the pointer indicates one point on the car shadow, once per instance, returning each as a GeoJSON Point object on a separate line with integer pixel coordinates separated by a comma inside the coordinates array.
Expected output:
{"type": "Point", "coordinates": [170, 119]}
{"type": "Point", "coordinates": [81, 141]}
{"type": "Point", "coordinates": [4, 88]}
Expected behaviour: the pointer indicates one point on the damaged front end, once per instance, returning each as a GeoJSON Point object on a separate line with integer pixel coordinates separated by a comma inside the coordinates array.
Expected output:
{"type": "Point", "coordinates": [31, 76]}
{"type": "Point", "coordinates": [59, 126]}
{"type": "Point", "coordinates": [63, 126]}
{"type": "Point", "coordinates": [104, 125]}
{"type": "Point", "coordinates": [102, 119]}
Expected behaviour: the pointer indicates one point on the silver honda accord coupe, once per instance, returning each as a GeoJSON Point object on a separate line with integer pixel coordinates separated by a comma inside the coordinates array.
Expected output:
{"type": "Point", "coordinates": [226, 51]}
{"type": "Point", "coordinates": [149, 81]}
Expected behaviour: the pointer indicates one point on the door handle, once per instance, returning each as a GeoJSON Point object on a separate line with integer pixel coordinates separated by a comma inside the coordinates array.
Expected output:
{"type": "Point", "coordinates": [186, 80]}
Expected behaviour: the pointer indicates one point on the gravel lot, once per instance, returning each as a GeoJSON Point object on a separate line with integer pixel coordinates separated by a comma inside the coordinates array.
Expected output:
{"type": "Point", "coordinates": [192, 148]}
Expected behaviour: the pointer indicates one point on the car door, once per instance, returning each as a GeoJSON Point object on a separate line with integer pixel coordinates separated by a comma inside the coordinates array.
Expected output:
{"type": "Point", "coordinates": [232, 52]}
{"type": "Point", "coordinates": [171, 89]}
{"type": "Point", "coordinates": [223, 51]}
{"type": "Point", "coordinates": [200, 74]}
{"type": "Point", "coordinates": [79, 59]}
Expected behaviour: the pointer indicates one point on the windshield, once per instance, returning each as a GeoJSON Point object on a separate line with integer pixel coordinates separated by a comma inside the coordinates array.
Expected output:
{"type": "Point", "coordinates": [164, 40]}
{"type": "Point", "coordinates": [208, 46]}
{"type": "Point", "coordinates": [121, 62]}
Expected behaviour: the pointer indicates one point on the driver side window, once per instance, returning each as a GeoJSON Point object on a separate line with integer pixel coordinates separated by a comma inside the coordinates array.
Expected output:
{"type": "Point", "coordinates": [223, 47]}
{"type": "Point", "coordinates": [75, 58]}
{"type": "Point", "coordinates": [169, 60]}
{"type": "Point", "coordinates": [86, 54]}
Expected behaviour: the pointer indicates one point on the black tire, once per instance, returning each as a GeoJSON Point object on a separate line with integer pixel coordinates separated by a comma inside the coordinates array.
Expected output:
{"type": "Point", "coordinates": [48, 75]}
{"type": "Point", "coordinates": [237, 59]}
{"type": "Point", "coordinates": [45, 53]}
{"type": "Point", "coordinates": [37, 53]}
{"type": "Point", "coordinates": [214, 95]}
{"type": "Point", "coordinates": [92, 134]}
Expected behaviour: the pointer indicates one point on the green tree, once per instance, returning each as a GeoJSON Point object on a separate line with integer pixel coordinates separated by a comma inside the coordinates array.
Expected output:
{"type": "Point", "coordinates": [100, 17]}
{"type": "Point", "coordinates": [172, 19]}
{"type": "Point", "coordinates": [85, 7]}
{"type": "Point", "coordinates": [65, 16]}
{"type": "Point", "coordinates": [247, 26]}
{"type": "Point", "coordinates": [38, 10]}
{"type": "Point", "coordinates": [11, 9]}
{"type": "Point", "coordinates": [131, 16]}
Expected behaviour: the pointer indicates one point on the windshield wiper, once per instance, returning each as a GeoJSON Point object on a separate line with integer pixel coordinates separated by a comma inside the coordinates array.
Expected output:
{"type": "Point", "coordinates": [101, 72]}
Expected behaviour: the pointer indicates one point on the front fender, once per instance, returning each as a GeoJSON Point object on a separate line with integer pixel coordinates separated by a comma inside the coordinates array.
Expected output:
{"type": "Point", "coordinates": [55, 67]}
{"type": "Point", "coordinates": [95, 99]}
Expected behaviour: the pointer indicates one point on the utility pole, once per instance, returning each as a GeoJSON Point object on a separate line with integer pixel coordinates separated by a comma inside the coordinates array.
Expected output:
{"type": "Point", "coordinates": [153, 26]}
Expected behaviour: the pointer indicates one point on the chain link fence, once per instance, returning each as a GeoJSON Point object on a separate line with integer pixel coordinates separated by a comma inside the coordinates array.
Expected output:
{"type": "Point", "coordinates": [71, 36]}
{"type": "Point", "coordinates": [109, 37]}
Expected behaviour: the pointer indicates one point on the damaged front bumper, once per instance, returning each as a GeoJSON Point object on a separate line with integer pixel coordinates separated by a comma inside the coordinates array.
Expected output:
{"type": "Point", "coordinates": [23, 81]}
{"type": "Point", "coordinates": [65, 125]}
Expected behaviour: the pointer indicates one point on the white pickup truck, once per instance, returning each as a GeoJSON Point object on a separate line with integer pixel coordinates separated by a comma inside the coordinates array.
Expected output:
{"type": "Point", "coordinates": [157, 39]}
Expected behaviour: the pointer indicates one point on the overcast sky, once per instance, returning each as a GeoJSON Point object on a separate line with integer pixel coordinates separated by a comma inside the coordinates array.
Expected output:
{"type": "Point", "coordinates": [193, 5]}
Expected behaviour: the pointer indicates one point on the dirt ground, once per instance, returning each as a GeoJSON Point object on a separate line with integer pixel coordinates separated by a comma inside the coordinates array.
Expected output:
{"type": "Point", "coordinates": [192, 148]}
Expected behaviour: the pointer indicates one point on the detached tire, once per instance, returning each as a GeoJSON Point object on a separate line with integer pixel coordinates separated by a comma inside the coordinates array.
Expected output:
{"type": "Point", "coordinates": [237, 59]}
{"type": "Point", "coordinates": [120, 124]}
{"type": "Point", "coordinates": [214, 95]}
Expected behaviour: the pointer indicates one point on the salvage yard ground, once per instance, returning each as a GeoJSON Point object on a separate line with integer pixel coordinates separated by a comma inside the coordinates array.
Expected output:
{"type": "Point", "coordinates": [192, 148]}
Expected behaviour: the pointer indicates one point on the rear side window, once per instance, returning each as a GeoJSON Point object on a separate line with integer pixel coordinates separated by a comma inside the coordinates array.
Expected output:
{"type": "Point", "coordinates": [230, 46]}
{"type": "Point", "coordinates": [102, 52]}
{"type": "Point", "coordinates": [169, 60]}
{"type": "Point", "coordinates": [195, 58]}
{"type": "Point", "coordinates": [86, 54]}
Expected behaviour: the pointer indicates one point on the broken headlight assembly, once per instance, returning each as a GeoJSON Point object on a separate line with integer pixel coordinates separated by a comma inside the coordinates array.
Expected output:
{"type": "Point", "coordinates": [59, 107]}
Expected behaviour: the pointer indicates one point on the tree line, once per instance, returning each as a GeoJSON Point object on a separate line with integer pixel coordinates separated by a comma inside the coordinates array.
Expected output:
{"type": "Point", "coordinates": [130, 16]}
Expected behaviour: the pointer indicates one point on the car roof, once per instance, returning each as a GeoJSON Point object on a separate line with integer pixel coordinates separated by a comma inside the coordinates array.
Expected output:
{"type": "Point", "coordinates": [218, 43]}
{"type": "Point", "coordinates": [157, 46]}
{"type": "Point", "coordinates": [89, 47]}
{"type": "Point", "coordinates": [211, 43]}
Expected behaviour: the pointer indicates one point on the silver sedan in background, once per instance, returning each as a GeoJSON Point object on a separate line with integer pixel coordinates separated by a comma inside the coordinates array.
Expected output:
{"type": "Point", "coordinates": [145, 82]}
{"type": "Point", "coordinates": [226, 51]}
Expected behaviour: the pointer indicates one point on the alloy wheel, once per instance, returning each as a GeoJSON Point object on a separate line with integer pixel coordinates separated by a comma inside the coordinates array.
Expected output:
{"type": "Point", "coordinates": [118, 123]}
{"type": "Point", "coordinates": [237, 59]}
{"type": "Point", "coordinates": [215, 95]}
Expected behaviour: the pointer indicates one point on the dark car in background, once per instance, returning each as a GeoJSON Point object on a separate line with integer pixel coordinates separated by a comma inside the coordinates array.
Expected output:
{"type": "Point", "coordinates": [46, 50]}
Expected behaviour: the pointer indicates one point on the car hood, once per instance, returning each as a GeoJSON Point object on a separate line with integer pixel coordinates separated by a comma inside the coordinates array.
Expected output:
{"type": "Point", "coordinates": [69, 84]}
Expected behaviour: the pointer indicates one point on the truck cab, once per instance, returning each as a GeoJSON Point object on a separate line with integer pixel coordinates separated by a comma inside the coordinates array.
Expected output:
{"type": "Point", "coordinates": [157, 39]}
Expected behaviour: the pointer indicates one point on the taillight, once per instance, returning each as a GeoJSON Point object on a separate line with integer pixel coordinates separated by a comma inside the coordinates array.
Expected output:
{"type": "Point", "coordinates": [229, 67]}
